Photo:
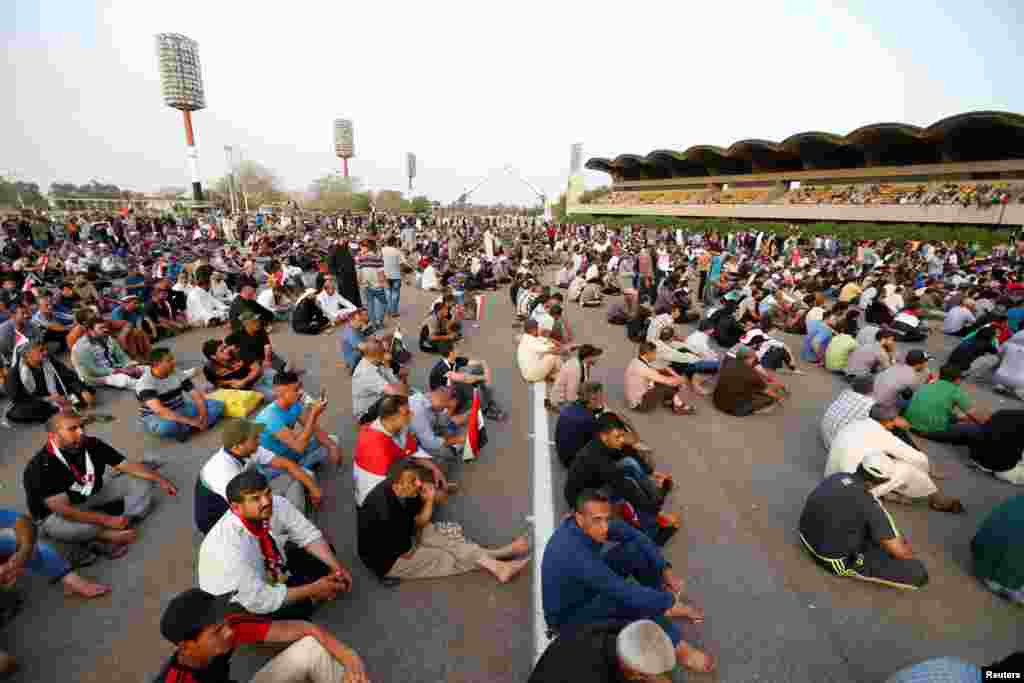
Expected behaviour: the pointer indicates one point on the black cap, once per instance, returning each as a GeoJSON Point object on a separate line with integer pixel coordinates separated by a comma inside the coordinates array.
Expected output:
{"type": "Point", "coordinates": [192, 611]}
{"type": "Point", "coordinates": [917, 356]}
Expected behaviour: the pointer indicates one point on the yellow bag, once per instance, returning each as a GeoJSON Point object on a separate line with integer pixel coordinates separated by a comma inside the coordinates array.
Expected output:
{"type": "Point", "coordinates": [237, 403]}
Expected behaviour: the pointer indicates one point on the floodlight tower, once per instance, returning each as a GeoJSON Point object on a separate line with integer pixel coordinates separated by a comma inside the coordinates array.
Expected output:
{"type": "Point", "coordinates": [181, 83]}
{"type": "Point", "coordinates": [344, 144]}
{"type": "Point", "coordinates": [410, 167]}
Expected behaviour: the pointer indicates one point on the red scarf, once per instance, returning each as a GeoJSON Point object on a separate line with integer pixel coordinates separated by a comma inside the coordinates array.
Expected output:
{"type": "Point", "coordinates": [273, 561]}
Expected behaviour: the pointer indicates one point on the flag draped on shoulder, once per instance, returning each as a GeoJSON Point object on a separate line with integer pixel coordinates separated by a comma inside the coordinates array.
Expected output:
{"type": "Point", "coordinates": [476, 431]}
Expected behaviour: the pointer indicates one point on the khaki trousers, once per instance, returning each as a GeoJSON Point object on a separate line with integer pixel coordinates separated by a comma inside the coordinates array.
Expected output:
{"type": "Point", "coordinates": [436, 556]}
{"type": "Point", "coordinates": [305, 661]}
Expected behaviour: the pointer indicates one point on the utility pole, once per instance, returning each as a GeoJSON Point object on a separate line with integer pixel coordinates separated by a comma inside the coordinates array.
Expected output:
{"type": "Point", "coordinates": [231, 179]}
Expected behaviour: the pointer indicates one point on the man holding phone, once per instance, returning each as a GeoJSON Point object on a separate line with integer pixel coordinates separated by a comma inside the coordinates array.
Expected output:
{"type": "Point", "coordinates": [293, 432]}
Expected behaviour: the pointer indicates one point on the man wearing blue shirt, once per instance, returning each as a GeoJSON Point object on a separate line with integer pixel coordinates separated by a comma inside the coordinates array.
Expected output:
{"type": "Point", "coordinates": [585, 583]}
{"type": "Point", "coordinates": [353, 339]}
{"type": "Point", "coordinates": [294, 433]}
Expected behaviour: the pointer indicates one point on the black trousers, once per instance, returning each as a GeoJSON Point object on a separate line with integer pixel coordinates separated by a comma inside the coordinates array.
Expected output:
{"type": "Point", "coordinates": [305, 569]}
{"type": "Point", "coordinates": [33, 411]}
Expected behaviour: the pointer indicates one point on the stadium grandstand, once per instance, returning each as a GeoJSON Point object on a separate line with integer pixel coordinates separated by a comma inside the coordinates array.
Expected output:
{"type": "Point", "coordinates": [966, 169]}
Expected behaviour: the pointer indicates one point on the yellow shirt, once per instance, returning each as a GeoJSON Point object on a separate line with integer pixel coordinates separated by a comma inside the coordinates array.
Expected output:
{"type": "Point", "coordinates": [849, 292]}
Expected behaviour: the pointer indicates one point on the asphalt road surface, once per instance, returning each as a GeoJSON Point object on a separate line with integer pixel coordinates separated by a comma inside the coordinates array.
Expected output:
{"type": "Point", "coordinates": [772, 615]}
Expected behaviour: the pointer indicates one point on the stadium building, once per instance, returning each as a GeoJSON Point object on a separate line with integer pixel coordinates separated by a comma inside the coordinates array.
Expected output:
{"type": "Point", "coordinates": [965, 169]}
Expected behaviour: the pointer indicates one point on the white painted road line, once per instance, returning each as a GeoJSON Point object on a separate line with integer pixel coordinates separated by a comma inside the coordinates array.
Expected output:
{"type": "Point", "coordinates": [543, 512]}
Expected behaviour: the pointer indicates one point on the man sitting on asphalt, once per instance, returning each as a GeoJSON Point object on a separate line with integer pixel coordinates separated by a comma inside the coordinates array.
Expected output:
{"type": "Point", "coordinates": [225, 370]}
{"type": "Point", "coordinates": [577, 422]}
{"type": "Point", "coordinates": [977, 355]}
{"type": "Point", "coordinates": [434, 422]}
{"type": "Point", "coordinates": [465, 375]}
{"type": "Point", "coordinates": [608, 653]}
{"type": "Point", "coordinates": [908, 470]}
{"type": "Point", "coordinates": [605, 464]}
{"type": "Point", "coordinates": [39, 387]}
{"type": "Point", "coordinates": [207, 629]}
{"type": "Point", "coordinates": [386, 440]}
{"type": "Point", "coordinates": [170, 406]}
{"type": "Point", "coordinates": [895, 386]}
{"type": "Point", "coordinates": [100, 360]}
{"type": "Point", "coordinates": [874, 357]}
{"type": "Point", "coordinates": [337, 308]}
{"type": "Point", "coordinates": [539, 358]}
{"type": "Point", "coordinates": [132, 335]}
{"type": "Point", "coordinates": [354, 340]}
{"type": "Point", "coordinates": [161, 320]}
{"type": "Point", "coordinates": [14, 331]}
{"type": "Point", "coordinates": [253, 342]}
{"type": "Point", "coordinates": [65, 487]}
{"type": "Point", "coordinates": [372, 380]}
{"type": "Point", "coordinates": [203, 308]}
{"type": "Point", "coordinates": [266, 551]}
{"type": "Point", "coordinates": [246, 302]}
{"type": "Point", "coordinates": [741, 389]}
{"type": "Point", "coordinates": [851, 405]}
{"type": "Point", "coordinates": [293, 431]}
{"type": "Point", "coordinates": [583, 583]}
{"type": "Point", "coordinates": [242, 451]}
{"type": "Point", "coordinates": [848, 531]}
{"type": "Point", "coordinates": [397, 538]}
{"type": "Point", "coordinates": [942, 410]}
{"type": "Point", "coordinates": [438, 330]}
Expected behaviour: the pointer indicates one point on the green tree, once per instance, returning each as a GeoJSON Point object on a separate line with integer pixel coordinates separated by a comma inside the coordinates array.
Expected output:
{"type": "Point", "coordinates": [420, 204]}
{"type": "Point", "coordinates": [259, 183]}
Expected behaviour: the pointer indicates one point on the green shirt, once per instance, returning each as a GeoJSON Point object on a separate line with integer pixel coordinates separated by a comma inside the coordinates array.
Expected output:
{"type": "Point", "coordinates": [931, 408]}
{"type": "Point", "coordinates": [838, 352]}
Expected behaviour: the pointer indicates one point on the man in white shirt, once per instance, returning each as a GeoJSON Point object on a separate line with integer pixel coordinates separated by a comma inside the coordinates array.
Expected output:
{"type": "Point", "coordinates": [337, 308]}
{"type": "Point", "coordinates": [268, 300]}
{"type": "Point", "coordinates": [202, 308]}
{"type": "Point", "coordinates": [242, 451]}
{"type": "Point", "coordinates": [245, 552]}
{"type": "Point", "coordinates": [539, 358]}
{"type": "Point", "coordinates": [908, 470]}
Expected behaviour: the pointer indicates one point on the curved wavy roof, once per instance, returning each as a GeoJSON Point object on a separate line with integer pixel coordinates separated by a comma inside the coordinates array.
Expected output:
{"type": "Point", "coordinates": [972, 136]}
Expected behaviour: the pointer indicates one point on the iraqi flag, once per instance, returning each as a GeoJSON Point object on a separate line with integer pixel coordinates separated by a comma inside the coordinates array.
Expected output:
{"type": "Point", "coordinates": [476, 431]}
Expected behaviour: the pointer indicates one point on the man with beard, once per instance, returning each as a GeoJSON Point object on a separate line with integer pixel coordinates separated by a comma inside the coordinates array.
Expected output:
{"type": "Point", "coordinates": [266, 551]}
{"type": "Point", "coordinates": [40, 387]}
{"type": "Point", "coordinates": [100, 360]}
{"type": "Point", "coordinates": [66, 489]}
{"type": "Point", "coordinates": [224, 369]}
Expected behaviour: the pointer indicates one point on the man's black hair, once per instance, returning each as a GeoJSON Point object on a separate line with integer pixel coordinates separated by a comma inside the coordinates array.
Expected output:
{"type": "Point", "coordinates": [590, 496]}
{"type": "Point", "coordinates": [246, 481]}
{"type": "Point", "coordinates": [609, 422]}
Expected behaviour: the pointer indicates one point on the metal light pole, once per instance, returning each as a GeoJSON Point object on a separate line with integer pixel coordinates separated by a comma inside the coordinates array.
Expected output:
{"type": "Point", "coordinates": [181, 82]}
{"type": "Point", "coordinates": [231, 179]}
{"type": "Point", "coordinates": [410, 167]}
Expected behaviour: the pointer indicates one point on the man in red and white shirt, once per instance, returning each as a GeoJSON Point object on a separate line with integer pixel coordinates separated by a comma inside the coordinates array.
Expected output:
{"type": "Point", "coordinates": [207, 629]}
{"type": "Point", "coordinates": [384, 442]}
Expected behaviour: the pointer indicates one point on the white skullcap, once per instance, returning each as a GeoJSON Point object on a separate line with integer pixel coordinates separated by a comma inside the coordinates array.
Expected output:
{"type": "Point", "coordinates": [643, 647]}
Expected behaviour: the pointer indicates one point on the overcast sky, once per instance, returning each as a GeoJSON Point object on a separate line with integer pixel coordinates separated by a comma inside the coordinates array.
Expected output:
{"type": "Point", "coordinates": [473, 86]}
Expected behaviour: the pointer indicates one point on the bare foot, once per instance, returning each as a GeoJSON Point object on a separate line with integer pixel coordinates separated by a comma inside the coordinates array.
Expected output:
{"type": "Point", "coordinates": [75, 584]}
{"type": "Point", "coordinates": [506, 571]}
{"type": "Point", "coordinates": [683, 611]}
{"type": "Point", "coordinates": [695, 660]}
{"type": "Point", "coordinates": [520, 546]}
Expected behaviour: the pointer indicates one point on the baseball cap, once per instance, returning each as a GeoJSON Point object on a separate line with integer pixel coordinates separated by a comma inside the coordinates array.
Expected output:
{"type": "Point", "coordinates": [239, 431]}
{"type": "Point", "coordinates": [644, 647]}
{"type": "Point", "coordinates": [192, 611]}
{"type": "Point", "coordinates": [917, 356]}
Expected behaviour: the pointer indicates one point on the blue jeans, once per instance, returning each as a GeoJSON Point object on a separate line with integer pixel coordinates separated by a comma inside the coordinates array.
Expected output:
{"type": "Point", "coordinates": [169, 429]}
{"type": "Point", "coordinates": [314, 454]}
{"type": "Point", "coordinates": [394, 295]}
{"type": "Point", "coordinates": [45, 561]}
{"type": "Point", "coordinates": [958, 434]}
{"type": "Point", "coordinates": [376, 304]}
{"type": "Point", "coordinates": [265, 385]}
{"type": "Point", "coordinates": [627, 560]}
